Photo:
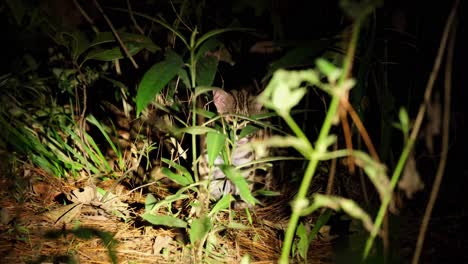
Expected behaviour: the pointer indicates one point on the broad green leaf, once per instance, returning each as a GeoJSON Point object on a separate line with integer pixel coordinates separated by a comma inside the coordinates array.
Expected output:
{"type": "Point", "coordinates": [164, 220]}
{"type": "Point", "coordinates": [137, 40]}
{"type": "Point", "coordinates": [206, 70]}
{"type": "Point", "coordinates": [111, 54]}
{"type": "Point", "coordinates": [222, 204]}
{"type": "Point", "coordinates": [209, 45]}
{"type": "Point", "coordinates": [202, 90]}
{"type": "Point", "coordinates": [179, 195]}
{"type": "Point", "coordinates": [214, 144]}
{"type": "Point", "coordinates": [158, 76]}
{"type": "Point", "coordinates": [248, 130]}
{"type": "Point", "coordinates": [284, 91]}
{"type": "Point", "coordinates": [235, 177]}
{"type": "Point", "coordinates": [183, 75]}
{"type": "Point", "coordinates": [199, 228]}
{"type": "Point", "coordinates": [179, 179]}
{"type": "Point", "coordinates": [303, 243]}
{"type": "Point", "coordinates": [321, 221]}
{"type": "Point", "coordinates": [150, 202]}
{"type": "Point", "coordinates": [79, 44]}
{"type": "Point", "coordinates": [179, 168]}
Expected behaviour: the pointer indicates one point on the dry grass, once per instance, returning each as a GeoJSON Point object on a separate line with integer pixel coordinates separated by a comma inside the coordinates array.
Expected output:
{"type": "Point", "coordinates": [24, 225]}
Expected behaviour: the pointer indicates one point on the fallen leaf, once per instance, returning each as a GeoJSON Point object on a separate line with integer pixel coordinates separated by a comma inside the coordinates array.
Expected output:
{"type": "Point", "coordinates": [64, 214]}
{"type": "Point", "coordinates": [410, 181]}
{"type": "Point", "coordinates": [161, 242]}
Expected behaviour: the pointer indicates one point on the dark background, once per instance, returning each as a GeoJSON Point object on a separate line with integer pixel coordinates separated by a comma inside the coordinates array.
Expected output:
{"type": "Point", "coordinates": [402, 47]}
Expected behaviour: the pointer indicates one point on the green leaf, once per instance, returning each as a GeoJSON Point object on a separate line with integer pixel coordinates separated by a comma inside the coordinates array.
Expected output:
{"type": "Point", "coordinates": [284, 91]}
{"type": "Point", "coordinates": [214, 144]}
{"type": "Point", "coordinates": [267, 193]}
{"type": "Point", "coordinates": [235, 177]}
{"type": "Point", "coordinates": [179, 168]}
{"type": "Point", "coordinates": [179, 179]}
{"type": "Point", "coordinates": [133, 42]}
{"type": "Point", "coordinates": [248, 130]}
{"type": "Point", "coordinates": [339, 203]}
{"type": "Point", "coordinates": [79, 44]}
{"type": "Point", "coordinates": [376, 172]}
{"type": "Point", "coordinates": [183, 75]}
{"type": "Point", "coordinates": [111, 54]}
{"type": "Point", "coordinates": [199, 229]}
{"type": "Point", "coordinates": [404, 121]}
{"type": "Point", "coordinates": [206, 70]}
{"type": "Point", "coordinates": [303, 243]}
{"type": "Point", "coordinates": [164, 220]}
{"type": "Point", "coordinates": [138, 40]}
{"type": "Point", "coordinates": [321, 221]}
{"type": "Point", "coordinates": [158, 76]}
{"type": "Point", "coordinates": [209, 45]}
{"type": "Point", "coordinates": [288, 141]}
{"type": "Point", "coordinates": [215, 32]}
{"type": "Point", "coordinates": [150, 202]}
{"type": "Point", "coordinates": [222, 204]}
{"type": "Point", "coordinates": [328, 69]}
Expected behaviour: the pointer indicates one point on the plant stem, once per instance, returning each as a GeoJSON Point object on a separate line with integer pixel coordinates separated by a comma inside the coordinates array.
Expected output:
{"type": "Point", "coordinates": [321, 148]}
{"type": "Point", "coordinates": [387, 198]}
{"type": "Point", "coordinates": [415, 131]}
{"type": "Point", "coordinates": [193, 71]}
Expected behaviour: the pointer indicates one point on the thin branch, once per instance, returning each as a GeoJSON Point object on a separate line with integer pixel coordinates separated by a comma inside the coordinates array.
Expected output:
{"type": "Point", "coordinates": [444, 150]}
{"type": "Point", "coordinates": [117, 37]}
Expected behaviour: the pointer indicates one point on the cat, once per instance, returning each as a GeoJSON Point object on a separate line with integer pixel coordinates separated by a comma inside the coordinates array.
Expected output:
{"type": "Point", "coordinates": [231, 105]}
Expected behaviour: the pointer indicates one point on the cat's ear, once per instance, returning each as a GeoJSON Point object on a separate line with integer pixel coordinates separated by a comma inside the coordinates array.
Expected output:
{"type": "Point", "coordinates": [223, 101]}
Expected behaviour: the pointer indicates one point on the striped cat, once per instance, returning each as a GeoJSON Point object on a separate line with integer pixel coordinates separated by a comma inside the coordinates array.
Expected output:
{"type": "Point", "coordinates": [228, 104]}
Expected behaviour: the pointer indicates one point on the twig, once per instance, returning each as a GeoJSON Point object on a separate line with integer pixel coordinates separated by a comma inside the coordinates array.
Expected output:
{"type": "Point", "coordinates": [414, 132]}
{"type": "Point", "coordinates": [132, 17]}
{"type": "Point", "coordinates": [445, 143]}
{"type": "Point", "coordinates": [85, 15]}
{"type": "Point", "coordinates": [117, 37]}
{"type": "Point", "coordinates": [331, 174]}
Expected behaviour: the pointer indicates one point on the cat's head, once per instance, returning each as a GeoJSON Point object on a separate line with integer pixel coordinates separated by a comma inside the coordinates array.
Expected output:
{"type": "Point", "coordinates": [240, 102]}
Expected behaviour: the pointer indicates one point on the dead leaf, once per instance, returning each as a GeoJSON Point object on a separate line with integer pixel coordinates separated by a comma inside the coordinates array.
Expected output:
{"type": "Point", "coordinates": [83, 195]}
{"type": "Point", "coordinates": [5, 216]}
{"type": "Point", "coordinates": [64, 214]}
{"type": "Point", "coordinates": [410, 181]}
{"type": "Point", "coordinates": [161, 242]}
